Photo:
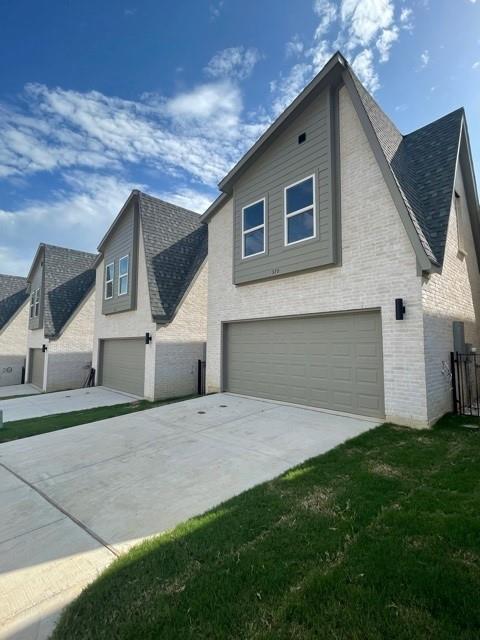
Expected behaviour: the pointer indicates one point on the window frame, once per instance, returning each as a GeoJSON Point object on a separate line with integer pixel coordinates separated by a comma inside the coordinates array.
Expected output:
{"type": "Point", "coordinates": [32, 305]}
{"type": "Point", "coordinates": [459, 211]}
{"type": "Point", "coordinates": [125, 275]}
{"type": "Point", "coordinates": [259, 226]}
{"type": "Point", "coordinates": [292, 214]}
{"type": "Point", "coordinates": [112, 280]}
{"type": "Point", "coordinates": [36, 312]}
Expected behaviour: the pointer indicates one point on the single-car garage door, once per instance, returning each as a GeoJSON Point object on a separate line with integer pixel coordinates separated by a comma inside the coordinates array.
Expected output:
{"type": "Point", "coordinates": [123, 365]}
{"type": "Point", "coordinates": [333, 361]}
{"type": "Point", "coordinates": [37, 362]}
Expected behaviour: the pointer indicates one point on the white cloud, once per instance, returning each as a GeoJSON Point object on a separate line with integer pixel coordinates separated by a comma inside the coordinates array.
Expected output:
{"type": "Point", "coordinates": [11, 263]}
{"type": "Point", "coordinates": [188, 198]}
{"type": "Point", "coordinates": [294, 47]}
{"type": "Point", "coordinates": [233, 63]}
{"type": "Point", "coordinates": [327, 12]}
{"type": "Point", "coordinates": [215, 9]}
{"type": "Point", "coordinates": [385, 42]}
{"type": "Point", "coordinates": [364, 68]}
{"type": "Point", "coordinates": [425, 58]}
{"type": "Point", "coordinates": [366, 18]}
{"type": "Point", "coordinates": [476, 64]}
{"type": "Point", "coordinates": [406, 19]}
{"type": "Point", "coordinates": [286, 88]}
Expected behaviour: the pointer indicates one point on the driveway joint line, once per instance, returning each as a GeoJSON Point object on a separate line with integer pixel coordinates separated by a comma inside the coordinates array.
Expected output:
{"type": "Point", "coordinates": [26, 533]}
{"type": "Point", "coordinates": [71, 517]}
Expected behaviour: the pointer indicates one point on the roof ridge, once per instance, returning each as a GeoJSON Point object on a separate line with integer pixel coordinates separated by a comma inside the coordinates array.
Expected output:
{"type": "Point", "coordinates": [436, 121]}
{"type": "Point", "coordinates": [142, 194]}
{"type": "Point", "coordinates": [56, 246]}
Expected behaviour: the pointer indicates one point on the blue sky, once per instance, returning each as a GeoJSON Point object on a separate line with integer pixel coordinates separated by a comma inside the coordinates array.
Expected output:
{"type": "Point", "coordinates": [97, 98]}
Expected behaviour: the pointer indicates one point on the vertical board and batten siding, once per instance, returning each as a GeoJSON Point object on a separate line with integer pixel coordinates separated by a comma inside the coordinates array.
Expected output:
{"type": "Point", "coordinates": [282, 164]}
{"type": "Point", "coordinates": [37, 358]}
{"type": "Point", "coordinates": [331, 361]}
{"type": "Point", "coordinates": [122, 242]}
{"type": "Point", "coordinates": [123, 365]}
{"type": "Point", "coordinates": [37, 283]}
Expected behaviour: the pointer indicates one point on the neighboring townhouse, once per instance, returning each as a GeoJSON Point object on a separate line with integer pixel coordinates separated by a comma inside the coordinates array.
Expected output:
{"type": "Point", "coordinates": [60, 318]}
{"type": "Point", "coordinates": [13, 328]}
{"type": "Point", "coordinates": [343, 259]}
{"type": "Point", "coordinates": [151, 300]}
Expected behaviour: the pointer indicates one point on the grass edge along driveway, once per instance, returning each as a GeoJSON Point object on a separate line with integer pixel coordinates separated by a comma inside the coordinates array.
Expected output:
{"type": "Point", "coordinates": [378, 538]}
{"type": "Point", "coordinates": [17, 429]}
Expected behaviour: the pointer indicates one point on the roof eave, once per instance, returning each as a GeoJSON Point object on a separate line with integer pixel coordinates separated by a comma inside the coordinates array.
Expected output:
{"type": "Point", "coordinates": [216, 205]}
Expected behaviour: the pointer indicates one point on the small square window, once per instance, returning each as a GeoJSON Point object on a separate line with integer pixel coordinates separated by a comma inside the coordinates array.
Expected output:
{"type": "Point", "coordinates": [302, 137]}
{"type": "Point", "coordinates": [253, 229]}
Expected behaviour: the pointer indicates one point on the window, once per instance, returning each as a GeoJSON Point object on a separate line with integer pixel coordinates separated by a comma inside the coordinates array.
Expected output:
{"type": "Point", "coordinates": [300, 211]}
{"type": "Point", "coordinates": [123, 276]}
{"type": "Point", "coordinates": [253, 229]}
{"type": "Point", "coordinates": [460, 226]}
{"type": "Point", "coordinates": [32, 304]}
{"type": "Point", "coordinates": [109, 273]}
{"type": "Point", "coordinates": [37, 302]}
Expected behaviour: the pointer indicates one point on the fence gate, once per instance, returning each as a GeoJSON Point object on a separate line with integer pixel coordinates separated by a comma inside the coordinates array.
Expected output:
{"type": "Point", "coordinates": [466, 383]}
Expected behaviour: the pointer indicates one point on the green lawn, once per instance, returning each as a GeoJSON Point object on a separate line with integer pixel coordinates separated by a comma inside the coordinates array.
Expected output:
{"type": "Point", "coordinates": [378, 539]}
{"type": "Point", "coordinates": [17, 429]}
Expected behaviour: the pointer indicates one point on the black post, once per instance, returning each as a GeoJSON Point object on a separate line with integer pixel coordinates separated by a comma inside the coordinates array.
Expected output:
{"type": "Point", "coordinates": [199, 378]}
{"type": "Point", "coordinates": [454, 381]}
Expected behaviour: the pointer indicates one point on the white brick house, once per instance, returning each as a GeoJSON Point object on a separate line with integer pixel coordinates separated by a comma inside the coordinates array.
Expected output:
{"type": "Point", "coordinates": [151, 300]}
{"type": "Point", "coordinates": [60, 318]}
{"type": "Point", "coordinates": [311, 318]}
{"type": "Point", "coordinates": [13, 328]}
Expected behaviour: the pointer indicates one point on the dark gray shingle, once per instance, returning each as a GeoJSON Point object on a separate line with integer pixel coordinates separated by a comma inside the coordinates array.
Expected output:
{"type": "Point", "coordinates": [69, 276]}
{"type": "Point", "coordinates": [13, 293]}
{"type": "Point", "coordinates": [175, 247]}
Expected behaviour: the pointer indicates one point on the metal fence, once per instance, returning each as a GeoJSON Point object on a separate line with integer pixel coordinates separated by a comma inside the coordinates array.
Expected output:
{"type": "Point", "coordinates": [466, 383]}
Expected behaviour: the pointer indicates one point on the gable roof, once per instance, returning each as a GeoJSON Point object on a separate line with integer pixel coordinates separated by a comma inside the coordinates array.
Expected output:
{"type": "Point", "coordinates": [419, 168]}
{"type": "Point", "coordinates": [13, 293]}
{"type": "Point", "coordinates": [69, 275]}
{"type": "Point", "coordinates": [175, 243]}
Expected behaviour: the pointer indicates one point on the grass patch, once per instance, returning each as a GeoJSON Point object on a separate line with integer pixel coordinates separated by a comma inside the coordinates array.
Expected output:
{"type": "Point", "coordinates": [17, 429]}
{"type": "Point", "coordinates": [379, 538]}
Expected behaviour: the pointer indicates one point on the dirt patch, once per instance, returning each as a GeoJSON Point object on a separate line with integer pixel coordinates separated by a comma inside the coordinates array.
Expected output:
{"type": "Point", "coordinates": [385, 470]}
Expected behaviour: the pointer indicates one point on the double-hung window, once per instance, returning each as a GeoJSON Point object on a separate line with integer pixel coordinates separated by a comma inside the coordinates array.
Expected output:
{"type": "Point", "coordinates": [32, 304]}
{"type": "Point", "coordinates": [300, 211]}
{"type": "Point", "coordinates": [109, 273]}
{"type": "Point", "coordinates": [37, 303]}
{"type": "Point", "coordinates": [253, 229]}
{"type": "Point", "coordinates": [123, 276]}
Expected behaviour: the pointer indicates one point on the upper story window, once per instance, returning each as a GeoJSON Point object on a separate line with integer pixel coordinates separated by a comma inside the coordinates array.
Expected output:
{"type": "Point", "coordinates": [253, 229]}
{"type": "Point", "coordinates": [35, 303]}
{"type": "Point", "coordinates": [123, 264]}
{"type": "Point", "coordinates": [109, 273]}
{"type": "Point", "coordinates": [300, 211]}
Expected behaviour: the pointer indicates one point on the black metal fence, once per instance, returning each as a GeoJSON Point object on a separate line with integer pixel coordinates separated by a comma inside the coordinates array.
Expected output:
{"type": "Point", "coordinates": [466, 383]}
{"type": "Point", "coordinates": [201, 377]}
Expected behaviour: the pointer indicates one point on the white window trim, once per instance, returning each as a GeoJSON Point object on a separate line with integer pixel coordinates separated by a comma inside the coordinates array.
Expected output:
{"type": "Point", "coordinates": [32, 305]}
{"type": "Point", "coordinates": [459, 211]}
{"type": "Point", "coordinates": [286, 215]}
{"type": "Point", "coordinates": [259, 226]}
{"type": "Point", "coordinates": [36, 311]}
{"type": "Point", "coordinates": [110, 264]}
{"type": "Point", "coordinates": [125, 275]}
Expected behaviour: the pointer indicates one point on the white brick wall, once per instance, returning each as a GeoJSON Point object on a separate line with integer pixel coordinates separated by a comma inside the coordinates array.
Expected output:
{"type": "Point", "coordinates": [181, 344]}
{"type": "Point", "coordinates": [69, 357]}
{"type": "Point", "coordinates": [452, 295]}
{"type": "Point", "coordinates": [378, 265]}
{"type": "Point", "coordinates": [13, 347]}
{"type": "Point", "coordinates": [171, 358]}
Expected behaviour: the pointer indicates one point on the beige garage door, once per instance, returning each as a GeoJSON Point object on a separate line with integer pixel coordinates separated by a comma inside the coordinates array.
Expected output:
{"type": "Point", "coordinates": [330, 361]}
{"type": "Point", "coordinates": [123, 365]}
{"type": "Point", "coordinates": [37, 362]}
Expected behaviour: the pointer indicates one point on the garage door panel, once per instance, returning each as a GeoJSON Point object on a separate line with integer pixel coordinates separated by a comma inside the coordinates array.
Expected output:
{"type": "Point", "coordinates": [123, 365]}
{"type": "Point", "coordinates": [332, 361]}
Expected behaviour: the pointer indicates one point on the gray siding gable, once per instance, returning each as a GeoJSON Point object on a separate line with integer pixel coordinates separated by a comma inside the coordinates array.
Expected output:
{"type": "Point", "coordinates": [284, 163]}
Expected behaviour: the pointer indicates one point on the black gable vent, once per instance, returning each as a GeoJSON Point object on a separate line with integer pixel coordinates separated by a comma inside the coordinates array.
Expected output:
{"type": "Point", "coordinates": [302, 137]}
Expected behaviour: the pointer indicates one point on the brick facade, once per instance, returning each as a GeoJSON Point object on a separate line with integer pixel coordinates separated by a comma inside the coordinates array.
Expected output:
{"type": "Point", "coordinates": [13, 340]}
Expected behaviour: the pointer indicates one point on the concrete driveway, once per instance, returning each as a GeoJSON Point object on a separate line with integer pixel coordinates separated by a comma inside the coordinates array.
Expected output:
{"type": "Point", "coordinates": [47, 404]}
{"type": "Point", "coordinates": [18, 390]}
{"type": "Point", "coordinates": [73, 500]}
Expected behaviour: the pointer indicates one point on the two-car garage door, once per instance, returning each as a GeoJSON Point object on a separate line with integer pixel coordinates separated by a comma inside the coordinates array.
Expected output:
{"type": "Point", "coordinates": [333, 361]}
{"type": "Point", "coordinates": [122, 365]}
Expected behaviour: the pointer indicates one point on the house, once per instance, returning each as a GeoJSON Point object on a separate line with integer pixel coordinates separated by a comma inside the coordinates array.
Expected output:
{"type": "Point", "coordinates": [60, 318]}
{"type": "Point", "coordinates": [13, 328]}
{"type": "Point", "coordinates": [151, 300]}
{"type": "Point", "coordinates": [343, 259]}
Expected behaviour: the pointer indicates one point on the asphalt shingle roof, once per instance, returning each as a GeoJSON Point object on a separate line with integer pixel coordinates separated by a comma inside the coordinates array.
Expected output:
{"type": "Point", "coordinates": [69, 276]}
{"type": "Point", "coordinates": [175, 244]}
{"type": "Point", "coordinates": [13, 293]}
{"type": "Point", "coordinates": [423, 163]}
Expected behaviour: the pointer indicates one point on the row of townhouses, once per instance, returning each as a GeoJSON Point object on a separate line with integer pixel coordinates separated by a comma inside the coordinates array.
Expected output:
{"type": "Point", "coordinates": [342, 271]}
